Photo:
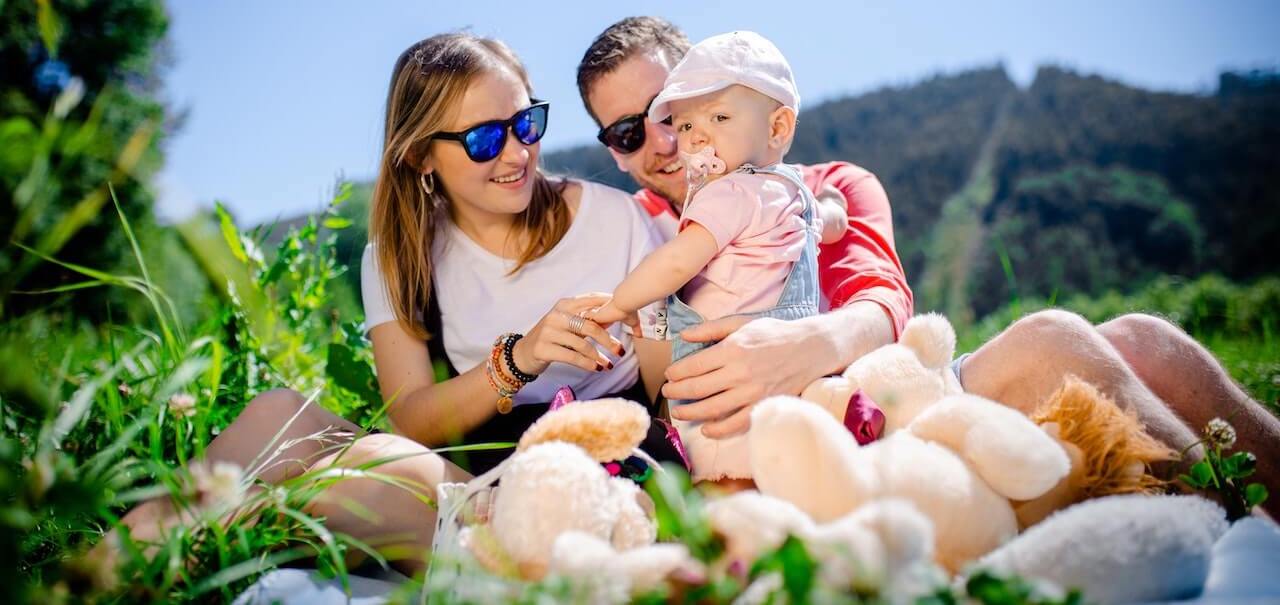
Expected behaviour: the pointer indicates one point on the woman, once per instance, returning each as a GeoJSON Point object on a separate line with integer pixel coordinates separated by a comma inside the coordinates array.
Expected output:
{"type": "Point", "coordinates": [459, 203]}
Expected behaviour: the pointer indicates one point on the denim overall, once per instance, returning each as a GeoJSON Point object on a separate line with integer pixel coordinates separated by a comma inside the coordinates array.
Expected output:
{"type": "Point", "coordinates": [799, 293]}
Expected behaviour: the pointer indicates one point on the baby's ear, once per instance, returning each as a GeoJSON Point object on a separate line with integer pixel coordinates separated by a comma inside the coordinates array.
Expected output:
{"type": "Point", "coordinates": [782, 128]}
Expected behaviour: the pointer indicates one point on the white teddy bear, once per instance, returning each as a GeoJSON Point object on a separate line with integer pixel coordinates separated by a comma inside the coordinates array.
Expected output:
{"type": "Point", "coordinates": [960, 459]}
{"type": "Point", "coordinates": [883, 547]}
{"type": "Point", "coordinates": [553, 488]}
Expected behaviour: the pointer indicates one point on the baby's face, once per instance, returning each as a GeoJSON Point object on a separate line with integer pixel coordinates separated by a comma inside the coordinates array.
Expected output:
{"type": "Point", "coordinates": [736, 121]}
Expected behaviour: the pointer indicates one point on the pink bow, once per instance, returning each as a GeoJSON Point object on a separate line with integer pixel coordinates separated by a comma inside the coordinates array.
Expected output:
{"type": "Point", "coordinates": [863, 418]}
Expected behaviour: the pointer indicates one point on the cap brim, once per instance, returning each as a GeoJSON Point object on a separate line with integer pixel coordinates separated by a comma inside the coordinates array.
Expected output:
{"type": "Point", "coordinates": [661, 108]}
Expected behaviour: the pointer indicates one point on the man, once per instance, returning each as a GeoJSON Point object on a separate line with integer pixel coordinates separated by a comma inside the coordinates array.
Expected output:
{"type": "Point", "coordinates": [1145, 363]}
{"type": "Point", "coordinates": [861, 276]}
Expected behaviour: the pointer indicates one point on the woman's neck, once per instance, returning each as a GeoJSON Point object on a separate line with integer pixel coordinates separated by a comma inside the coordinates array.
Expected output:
{"type": "Point", "coordinates": [497, 233]}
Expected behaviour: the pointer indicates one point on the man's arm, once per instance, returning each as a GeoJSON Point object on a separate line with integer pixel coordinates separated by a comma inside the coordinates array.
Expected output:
{"type": "Point", "coordinates": [756, 359]}
{"type": "Point", "coordinates": [862, 278]}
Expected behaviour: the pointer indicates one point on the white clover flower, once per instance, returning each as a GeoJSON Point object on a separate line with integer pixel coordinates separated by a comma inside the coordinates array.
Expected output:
{"type": "Point", "coordinates": [182, 405]}
{"type": "Point", "coordinates": [1218, 432]}
{"type": "Point", "coordinates": [220, 486]}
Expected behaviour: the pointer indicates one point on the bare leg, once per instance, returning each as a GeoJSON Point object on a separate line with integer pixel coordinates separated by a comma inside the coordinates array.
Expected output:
{"type": "Point", "coordinates": [1197, 388]}
{"type": "Point", "coordinates": [244, 440]}
{"type": "Point", "coordinates": [1023, 365]}
{"type": "Point", "coordinates": [394, 519]}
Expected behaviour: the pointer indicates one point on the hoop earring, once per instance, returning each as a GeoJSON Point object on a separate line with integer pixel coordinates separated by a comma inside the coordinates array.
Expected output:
{"type": "Point", "coordinates": [428, 184]}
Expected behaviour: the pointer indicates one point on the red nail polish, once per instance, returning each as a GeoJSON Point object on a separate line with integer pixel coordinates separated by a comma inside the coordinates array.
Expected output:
{"type": "Point", "coordinates": [610, 365]}
{"type": "Point", "coordinates": [599, 367]}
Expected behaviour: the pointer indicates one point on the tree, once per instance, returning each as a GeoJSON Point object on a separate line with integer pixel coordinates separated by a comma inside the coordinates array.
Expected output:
{"type": "Point", "coordinates": [79, 117]}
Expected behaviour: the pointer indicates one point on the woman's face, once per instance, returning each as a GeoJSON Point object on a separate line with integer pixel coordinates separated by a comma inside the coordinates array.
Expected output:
{"type": "Point", "coordinates": [503, 185]}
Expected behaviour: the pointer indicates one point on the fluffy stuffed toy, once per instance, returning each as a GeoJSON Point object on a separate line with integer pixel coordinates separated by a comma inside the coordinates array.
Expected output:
{"type": "Point", "coordinates": [885, 546]}
{"type": "Point", "coordinates": [901, 378]}
{"type": "Point", "coordinates": [981, 471]}
{"type": "Point", "coordinates": [1111, 453]}
{"type": "Point", "coordinates": [554, 485]}
{"type": "Point", "coordinates": [960, 459]}
{"type": "Point", "coordinates": [961, 462]}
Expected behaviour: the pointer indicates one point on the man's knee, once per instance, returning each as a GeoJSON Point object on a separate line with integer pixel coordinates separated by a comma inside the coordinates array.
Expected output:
{"type": "Point", "coordinates": [1049, 326]}
{"type": "Point", "coordinates": [1139, 327]}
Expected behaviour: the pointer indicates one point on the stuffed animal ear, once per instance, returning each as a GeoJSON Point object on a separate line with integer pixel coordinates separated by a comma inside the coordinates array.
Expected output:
{"type": "Point", "coordinates": [932, 339]}
{"type": "Point", "coordinates": [608, 429]}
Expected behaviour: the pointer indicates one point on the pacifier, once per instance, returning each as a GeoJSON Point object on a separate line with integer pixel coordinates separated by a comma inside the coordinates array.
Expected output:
{"type": "Point", "coordinates": [697, 166]}
{"type": "Point", "coordinates": [702, 163]}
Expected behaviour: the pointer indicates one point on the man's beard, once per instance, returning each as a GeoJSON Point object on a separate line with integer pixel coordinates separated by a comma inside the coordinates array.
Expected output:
{"type": "Point", "coordinates": [673, 195]}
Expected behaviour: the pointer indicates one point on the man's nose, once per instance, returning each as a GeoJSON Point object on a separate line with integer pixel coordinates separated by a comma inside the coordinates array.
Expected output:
{"type": "Point", "coordinates": [661, 136]}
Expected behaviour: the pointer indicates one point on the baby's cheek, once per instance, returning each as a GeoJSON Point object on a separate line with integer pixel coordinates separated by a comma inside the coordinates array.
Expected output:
{"type": "Point", "coordinates": [684, 142]}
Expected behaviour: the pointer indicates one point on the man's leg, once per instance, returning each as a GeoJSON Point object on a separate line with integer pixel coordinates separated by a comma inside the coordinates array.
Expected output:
{"type": "Point", "coordinates": [1027, 362]}
{"type": "Point", "coordinates": [1190, 380]}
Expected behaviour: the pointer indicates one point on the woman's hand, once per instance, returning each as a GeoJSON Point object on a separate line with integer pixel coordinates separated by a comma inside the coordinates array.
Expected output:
{"type": "Point", "coordinates": [562, 335]}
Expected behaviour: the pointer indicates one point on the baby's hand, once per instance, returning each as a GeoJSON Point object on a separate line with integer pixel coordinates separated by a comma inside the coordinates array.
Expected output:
{"type": "Point", "coordinates": [610, 313]}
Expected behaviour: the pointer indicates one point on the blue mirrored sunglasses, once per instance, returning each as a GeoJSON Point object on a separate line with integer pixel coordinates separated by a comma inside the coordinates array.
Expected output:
{"type": "Point", "coordinates": [485, 141]}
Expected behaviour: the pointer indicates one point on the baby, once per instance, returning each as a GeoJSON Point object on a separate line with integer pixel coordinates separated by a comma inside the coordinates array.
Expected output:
{"type": "Point", "coordinates": [747, 241]}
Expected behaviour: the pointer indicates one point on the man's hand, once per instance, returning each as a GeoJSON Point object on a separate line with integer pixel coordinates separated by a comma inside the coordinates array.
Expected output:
{"type": "Point", "coordinates": [755, 359]}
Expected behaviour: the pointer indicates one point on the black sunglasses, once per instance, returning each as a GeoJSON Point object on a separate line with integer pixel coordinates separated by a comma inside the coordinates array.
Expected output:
{"type": "Point", "coordinates": [626, 134]}
{"type": "Point", "coordinates": [485, 141]}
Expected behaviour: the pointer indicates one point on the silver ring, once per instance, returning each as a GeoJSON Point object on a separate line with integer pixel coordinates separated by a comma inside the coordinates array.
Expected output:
{"type": "Point", "coordinates": [575, 324]}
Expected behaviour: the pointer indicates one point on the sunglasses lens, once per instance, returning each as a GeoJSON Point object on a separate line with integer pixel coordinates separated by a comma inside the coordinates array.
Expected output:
{"type": "Point", "coordinates": [485, 142]}
{"type": "Point", "coordinates": [531, 124]}
{"type": "Point", "coordinates": [626, 135]}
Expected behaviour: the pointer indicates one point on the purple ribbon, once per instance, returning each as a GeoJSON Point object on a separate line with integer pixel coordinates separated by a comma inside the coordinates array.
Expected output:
{"type": "Point", "coordinates": [564, 396]}
{"type": "Point", "coordinates": [674, 437]}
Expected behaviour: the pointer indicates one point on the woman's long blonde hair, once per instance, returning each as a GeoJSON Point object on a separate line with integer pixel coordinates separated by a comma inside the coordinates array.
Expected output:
{"type": "Point", "coordinates": [429, 80]}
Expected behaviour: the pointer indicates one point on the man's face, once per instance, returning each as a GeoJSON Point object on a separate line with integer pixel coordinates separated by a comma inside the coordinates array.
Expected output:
{"type": "Point", "coordinates": [626, 91]}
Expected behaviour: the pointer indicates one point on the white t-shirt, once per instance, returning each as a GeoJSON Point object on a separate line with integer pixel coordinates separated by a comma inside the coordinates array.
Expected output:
{"type": "Point", "coordinates": [478, 300]}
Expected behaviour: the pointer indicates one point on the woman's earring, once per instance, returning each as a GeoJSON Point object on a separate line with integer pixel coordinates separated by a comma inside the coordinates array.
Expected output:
{"type": "Point", "coordinates": [428, 182]}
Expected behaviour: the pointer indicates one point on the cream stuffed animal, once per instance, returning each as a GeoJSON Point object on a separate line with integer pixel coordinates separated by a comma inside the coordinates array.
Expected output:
{"type": "Point", "coordinates": [885, 547]}
{"type": "Point", "coordinates": [554, 486]}
{"type": "Point", "coordinates": [960, 459]}
{"type": "Point", "coordinates": [902, 378]}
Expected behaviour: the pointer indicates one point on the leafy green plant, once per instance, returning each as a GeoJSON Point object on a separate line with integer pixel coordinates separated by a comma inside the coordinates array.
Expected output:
{"type": "Point", "coordinates": [1222, 473]}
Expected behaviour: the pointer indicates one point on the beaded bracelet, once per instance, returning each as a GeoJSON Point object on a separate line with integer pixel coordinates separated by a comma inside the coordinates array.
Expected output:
{"type": "Point", "coordinates": [496, 356]}
{"type": "Point", "coordinates": [506, 386]}
{"type": "Point", "coordinates": [495, 360]}
{"type": "Point", "coordinates": [505, 393]}
{"type": "Point", "coordinates": [508, 348]}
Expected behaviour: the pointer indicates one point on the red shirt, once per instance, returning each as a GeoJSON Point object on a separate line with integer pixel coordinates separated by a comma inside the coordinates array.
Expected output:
{"type": "Point", "coordinates": [862, 265]}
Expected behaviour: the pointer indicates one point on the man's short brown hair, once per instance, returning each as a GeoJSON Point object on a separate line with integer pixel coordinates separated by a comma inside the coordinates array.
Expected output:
{"type": "Point", "coordinates": [623, 40]}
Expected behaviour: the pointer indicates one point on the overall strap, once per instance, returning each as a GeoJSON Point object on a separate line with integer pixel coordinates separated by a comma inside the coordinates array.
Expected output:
{"type": "Point", "coordinates": [789, 173]}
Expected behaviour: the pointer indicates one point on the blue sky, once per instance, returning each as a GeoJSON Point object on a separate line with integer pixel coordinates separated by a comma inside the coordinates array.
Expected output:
{"type": "Point", "coordinates": [285, 97]}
